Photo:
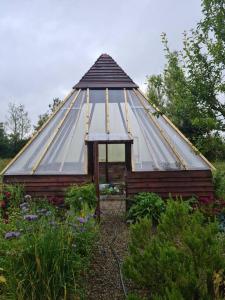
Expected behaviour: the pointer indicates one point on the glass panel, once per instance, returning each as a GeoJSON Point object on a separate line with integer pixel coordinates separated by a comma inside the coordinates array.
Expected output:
{"type": "Point", "coordinates": [150, 151]}
{"type": "Point", "coordinates": [162, 156]}
{"type": "Point", "coordinates": [117, 123]}
{"type": "Point", "coordinates": [97, 123]}
{"type": "Point", "coordinates": [66, 154]}
{"type": "Point", "coordinates": [102, 152]}
{"type": "Point", "coordinates": [116, 96]}
{"type": "Point", "coordinates": [116, 152]}
{"type": "Point", "coordinates": [25, 163]}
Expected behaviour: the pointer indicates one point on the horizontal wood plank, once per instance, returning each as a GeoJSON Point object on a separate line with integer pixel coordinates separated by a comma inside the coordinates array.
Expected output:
{"type": "Point", "coordinates": [177, 183]}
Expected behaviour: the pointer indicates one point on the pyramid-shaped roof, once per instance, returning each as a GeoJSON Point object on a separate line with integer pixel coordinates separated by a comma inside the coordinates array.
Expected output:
{"type": "Point", "coordinates": [106, 106]}
{"type": "Point", "coordinates": [105, 73]}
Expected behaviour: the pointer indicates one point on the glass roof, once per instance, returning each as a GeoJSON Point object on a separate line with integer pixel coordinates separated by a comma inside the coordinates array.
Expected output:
{"type": "Point", "coordinates": [106, 115]}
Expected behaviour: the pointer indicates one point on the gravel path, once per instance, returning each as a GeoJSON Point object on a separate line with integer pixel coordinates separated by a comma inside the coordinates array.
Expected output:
{"type": "Point", "coordinates": [103, 282]}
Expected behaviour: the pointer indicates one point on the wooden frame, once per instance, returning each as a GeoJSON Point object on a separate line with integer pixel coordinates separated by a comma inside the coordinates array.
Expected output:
{"type": "Point", "coordinates": [107, 110]}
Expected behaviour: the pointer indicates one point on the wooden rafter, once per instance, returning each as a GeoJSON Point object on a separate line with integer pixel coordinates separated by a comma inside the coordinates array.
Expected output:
{"type": "Point", "coordinates": [126, 111]}
{"type": "Point", "coordinates": [107, 110]}
{"type": "Point", "coordinates": [88, 112]}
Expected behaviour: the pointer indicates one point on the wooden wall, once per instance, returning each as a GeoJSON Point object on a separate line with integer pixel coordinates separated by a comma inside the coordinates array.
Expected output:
{"type": "Point", "coordinates": [183, 183]}
{"type": "Point", "coordinates": [177, 183]}
{"type": "Point", "coordinates": [47, 185]}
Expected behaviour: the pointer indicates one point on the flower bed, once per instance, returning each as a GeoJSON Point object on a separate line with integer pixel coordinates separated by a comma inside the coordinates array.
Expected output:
{"type": "Point", "coordinates": [45, 250]}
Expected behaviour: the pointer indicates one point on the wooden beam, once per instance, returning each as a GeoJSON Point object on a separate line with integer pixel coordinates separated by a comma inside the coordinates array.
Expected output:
{"type": "Point", "coordinates": [107, 111]}
{"type": "Point", "coordinates": [128, 156]}
{"type": "Point", "coordinates": [126, 111]}
{"type": "Point", "coordinates": [96, 178]}
{"type": "Point", "coordinates": [106, 163]}
{"type": "Point", "coordinates": [88, 112]}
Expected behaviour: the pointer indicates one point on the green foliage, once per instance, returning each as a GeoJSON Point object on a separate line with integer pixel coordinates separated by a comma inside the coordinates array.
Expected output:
{"type": "Point", "coordinates": [180, 260]}
{"type": "Point", "coordinates": [42, 119]}
{"type": "Point", "coordinates": [134, 297]}
{"type": "Point", "coordinates": [77, 196]}
{"type": "Point", "coordinates": [3, 163]}
{"type": "Point", "coordinates": [50, 257]}
{"type": "Point", "coordinates": [15, 194]}
{"type": "Point", "coordinates": [219, 183]}
{"type": "Point", "coordinates": [190, 89]}
{"type": "Point", "coordinates": [148, 205]}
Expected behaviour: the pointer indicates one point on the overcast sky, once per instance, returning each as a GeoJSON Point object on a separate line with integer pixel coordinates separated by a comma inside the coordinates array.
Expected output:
{"type": "Point", "coordinates": [47, 45]}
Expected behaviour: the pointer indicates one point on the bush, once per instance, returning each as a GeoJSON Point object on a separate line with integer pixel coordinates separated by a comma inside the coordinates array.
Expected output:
{"type": "Point", "coordinates": [43, 257]}
{"type": "Point", "coordinates": [181, 258]}
{"type": "Point", "coordinates": [219, 184]}
{"type": "Point", "coordinates": [13, 194]}
{"type": "Point", "coordinates": [78, 196]}
{"type": "Point", "coordinates": [146, 205]}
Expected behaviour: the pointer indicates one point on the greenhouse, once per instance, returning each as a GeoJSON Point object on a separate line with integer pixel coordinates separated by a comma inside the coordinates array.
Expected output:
{"type": "Point", "coordinates": [105, 130]}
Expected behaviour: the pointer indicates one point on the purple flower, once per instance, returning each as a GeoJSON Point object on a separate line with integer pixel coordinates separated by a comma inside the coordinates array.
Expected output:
{"type": "Point", "coordinates": [30, 217]}
{"type": "Point", "coordinates": [81, 220]}
{"type": "Point", "coordinates": [12, 234]}
{"type": "Point", "coordinates": [53, 223]}
{"type": "Point", "coordinates": [23, 205]}
{"type": "Point", "coordinates": [27, 197]}
{"type": "Point", "coordinates": [44, 212]}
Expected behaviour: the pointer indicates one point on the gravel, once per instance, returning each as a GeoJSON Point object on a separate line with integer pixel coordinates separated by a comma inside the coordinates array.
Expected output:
{"type": "Point", "coordinates": [103, 282]}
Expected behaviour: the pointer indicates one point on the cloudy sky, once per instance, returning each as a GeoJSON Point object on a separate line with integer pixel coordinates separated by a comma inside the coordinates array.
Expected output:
{"type": "Point", "coordinates": [47, 45]}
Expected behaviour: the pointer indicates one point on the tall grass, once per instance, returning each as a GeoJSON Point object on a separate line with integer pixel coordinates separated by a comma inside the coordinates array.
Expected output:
{"type": "Point", "coordinates": [3, 163]}
{"type": "Point", "coordinates": [219, 165]}
{"type": "Point", "coordinates": [50, 256]}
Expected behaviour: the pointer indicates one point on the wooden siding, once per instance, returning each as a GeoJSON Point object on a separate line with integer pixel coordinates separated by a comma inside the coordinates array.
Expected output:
{"type": "Point", "coordinates": [47, 185]}
{"type": "Point", "coordinates": [177, 183]}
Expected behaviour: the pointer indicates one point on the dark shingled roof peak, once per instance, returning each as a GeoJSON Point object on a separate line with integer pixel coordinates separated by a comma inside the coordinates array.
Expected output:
{"type": "Point", "coordinates": [105, 73]}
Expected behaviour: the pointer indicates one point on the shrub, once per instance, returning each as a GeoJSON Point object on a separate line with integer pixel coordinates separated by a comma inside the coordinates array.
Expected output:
{"type": "Point", "coordinates": [146, 205]}
{"type": "Point", "coordinates": [219, 184]}
{"type": "Point", "coordinates": [77, 196]}
{"type": "Point", "coordinates": [181, 258]}
{"type": "Point", "coordinates": [43, 257]}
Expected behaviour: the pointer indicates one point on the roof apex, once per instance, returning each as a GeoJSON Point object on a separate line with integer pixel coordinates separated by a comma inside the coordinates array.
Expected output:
{"type": "Point", "coordinates": [104, 73]}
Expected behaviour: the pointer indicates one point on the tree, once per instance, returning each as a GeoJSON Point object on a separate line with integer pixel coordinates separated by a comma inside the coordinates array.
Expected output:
{"type": "Point", "coordinates": [44, 117]}
{"type": "Point", "coordinates": [191, 86]}
{"type": "Point", "coordinates": [4, 143]}
{"type": "Point", "coordinates": [18, 124]}
{"type": "Point", "coordinates": [18, 121]}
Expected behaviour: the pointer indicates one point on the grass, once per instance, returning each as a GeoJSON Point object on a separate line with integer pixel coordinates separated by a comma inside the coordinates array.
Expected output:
{"type": "Point", "coordinates": [219, 165]}
{"type": "Point", "coordinates": [3, 163]}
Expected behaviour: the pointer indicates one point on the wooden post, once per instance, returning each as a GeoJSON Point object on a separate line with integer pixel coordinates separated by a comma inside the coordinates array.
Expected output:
{"type": "Point", "coordinates": [106, 164]}
{"type": "Point", "coordinates": [96, 178]}
{"type": "Point", "coordinates": [128, 156]}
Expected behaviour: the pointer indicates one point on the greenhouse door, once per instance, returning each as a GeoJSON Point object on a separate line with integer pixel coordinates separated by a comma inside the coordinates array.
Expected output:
{"type": "Point", "coordinates": [112, 163]}
{"type": "Point", "coordinates": [109, 161]}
